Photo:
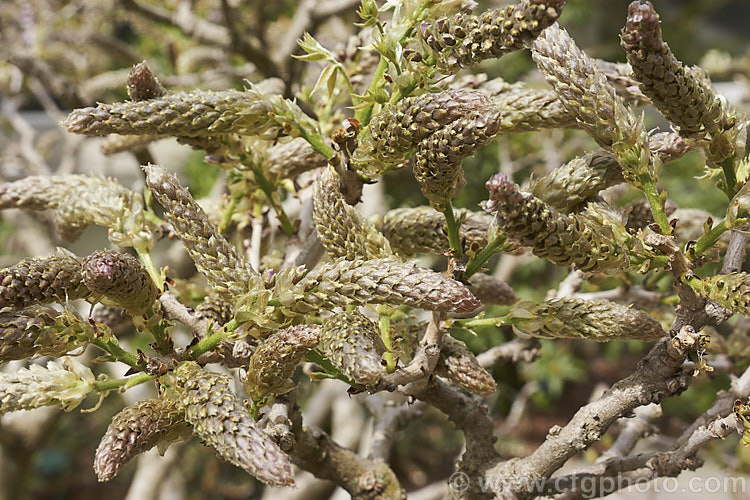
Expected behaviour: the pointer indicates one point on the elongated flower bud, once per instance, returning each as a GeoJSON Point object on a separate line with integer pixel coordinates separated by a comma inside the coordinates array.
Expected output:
{"type": "Point", "coordinates": [394, 133]}
{"type": "Point", "coordinates": [41, 331]}
{"type": "Point", "coordinates": [375, 281]}
{"type": "Point", "coordinates": [136, 429]}
{"type": "Point", "coordinates": [729, 290]}
{"type": "Point", "coordinates": [78, 201]}
{"type": "Point", "coordinates": [584, 90]}
{"type": "Point", "coordinates": [437, 165]}
{"type": "Point", "coordinates": [490, 290]}
{"type": "Point", "coordinates": [341, 228]}
{"type": "Point", "coordinates": [423, 230]}
{"type": "Point", "coordinates": [199, 113]}
{"type": "Point", "coordinates": [352, 343]}
{"type": "Point", "coordinates": [221, 420]}
{"type": "Point", "coordinates": [465, 39]}
{"type": "Point", "coordinates": [143, 84]}
{"type": "Point", "coordinates": [571, 185]}
{"type": "Point", "coordinates": [120, 278]}
{"type": "Point", "coordinates": [562, 239]}
{"type": "Point", "coordinates": [684, 96]}
{"type": "Point", "coordinates": [187, 114]}
{"type": "Point", "coordinates": [522, 109]}
{"type": "Point", "coordinates": [275, 359]}
{"type": "Point", "coordinates": [458, 364]}
{"type": "Point", "coordinates": [600, 320]}
{"type": "Point", "coordinates": [40, 281]}
{"type": "Point", "coordinates": [227, 272]}
{"type": "Point", "coordinates": [64, 382]}
{"type": "Point", "coordinates": [566, 188]}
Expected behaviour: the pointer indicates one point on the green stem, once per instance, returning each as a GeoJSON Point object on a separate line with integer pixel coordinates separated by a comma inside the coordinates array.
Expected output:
{"type": "Point", "coordinates": [210, 341]}
{"type": "Point", "coordinates": [148, 263]}
{"type": "Point", "coordinates": [656, 202]}
{"type": "Point", "coordinates": [385, 335]}
{"type": "Point", "coordinates": [707, 240]}
{"type": "Point", "coordinates": [400, 314]}
{"type": "Point", "coordinates": [318, 143]}
{"type": "Point", "coordinates": [473, 323]}
{"type": "Point", "coordinates": [481, 258]}
{"type": "Point", "coordinates": [452, 229]}
{"type": "Point", "coordinates": [695, 283]}
{"type": "Point", "coordinates": [365, 114]}
{"type": "Point", "coordinates": [229, 213]}
{"type": "Point", "coordinates": [157, 326]}
{"type": "Point", "coordinates": [273, 197]}
{"type": "Point", "coordinates": [727, 166]}
{"type": "Point", "coordinates": [122, 383]}
{"type": "Point", "coordinates": [116, 352]}
{"type": "Point", "coordinates": [342, 71]}
{"type": "Point", "coordinates": [319, 359]}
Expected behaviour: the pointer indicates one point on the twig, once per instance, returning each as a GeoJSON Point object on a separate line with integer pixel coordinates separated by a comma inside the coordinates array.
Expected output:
{"type": "Point", "coordinates": [468, 414]}
{"type": "Point", "coordinates": [657, 376]}
{"type": "Point", "coordinates": [518, 349]}
{"type": "Point", "coordinates": [175, 310]}
{"type": "Point", "coordinates": [362, 478]}
{"type": "Point", "coordinates": [735, 255]}
{"type": "Point", "coordinates": [424, 361]}
{"type": "Point", "coordinates": [570, 285]}
{"type": "Point", "coordinates": [389, 417]}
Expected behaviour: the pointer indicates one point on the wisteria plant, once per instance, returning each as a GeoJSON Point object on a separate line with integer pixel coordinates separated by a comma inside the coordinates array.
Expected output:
{"type": "Point", "coordinates": [294, 285]}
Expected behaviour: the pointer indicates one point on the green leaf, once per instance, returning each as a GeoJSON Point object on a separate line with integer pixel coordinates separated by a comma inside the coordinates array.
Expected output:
{"type": "Point", "coordinates": [315, 51]}
{"type": "Point", "coordinates": [369, 13]}
{"type": "Point", "coordinates": [328, 73]}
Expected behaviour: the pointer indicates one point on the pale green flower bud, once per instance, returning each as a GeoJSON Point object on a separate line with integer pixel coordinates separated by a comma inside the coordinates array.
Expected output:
{"type": "Point", "coordinates": [437, 165]}
{"type": "Point", "coordinates": [465, 39]}
{"type": "Point", "coordinates": [490, 290]}
{"type": "Point", "coordinates": [458, 364]}
{"type": "Point", "coordinates": [586, 94]}
{"type": "Point", "coordinates": [393, 134]}
{"type": "Point", "coordinates": [200, 113]}
{"type": "Point", "coordinates": [121, 279]}
{"type": "Point", "coordinates": [64, 382]}
{"type": "Point", "coordinates": [589, 244]}
{"type": "Point", "coordinates": [225, 268]}
{"type": "Point", "coordinates": [683, 95]}
{"type": "Point", "coordinates": [375, 281]}
{"type": "Point", "coordinates": [600, 320]}
{"type": "Point", "coordinates": [341, 228]}
{"type": "Point", "coordinates": [79, 201]}
{"type": "Point", "coordinates": [353, 345]}
{"type": "Point", "coordinates": [275, 359]}
{"type": "Point", "coordinates": [41, 331]}
{"type": "Point", "coordinates": [221, 420]}
{"type": "Point", "coordinates": [423, 230]}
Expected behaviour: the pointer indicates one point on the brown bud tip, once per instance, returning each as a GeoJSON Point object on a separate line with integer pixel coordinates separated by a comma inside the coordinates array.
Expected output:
{"type": "Point", "coordinates": [643, 22]}
{"type": "Point", "coordinates": [501, 188]}
{"type": "Point", "coordinates": [143, 85]}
